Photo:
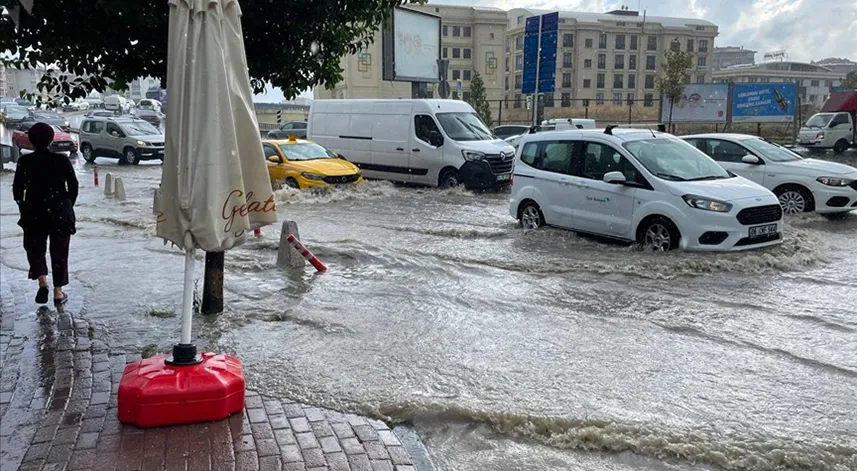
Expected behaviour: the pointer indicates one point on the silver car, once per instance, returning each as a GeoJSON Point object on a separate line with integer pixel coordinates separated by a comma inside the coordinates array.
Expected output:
{"type": "Point", "coordinates": [128, 139]}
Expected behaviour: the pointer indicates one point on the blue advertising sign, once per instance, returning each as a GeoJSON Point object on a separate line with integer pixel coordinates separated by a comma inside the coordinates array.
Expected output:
{"type": "Point", "coordinates": [763, 102]}
{"type": "Point", "coordinates": [540, 66]}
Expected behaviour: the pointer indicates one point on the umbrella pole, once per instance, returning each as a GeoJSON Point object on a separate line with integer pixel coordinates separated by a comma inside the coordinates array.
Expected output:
{"type": "Point", "coordinates": [185, 352]}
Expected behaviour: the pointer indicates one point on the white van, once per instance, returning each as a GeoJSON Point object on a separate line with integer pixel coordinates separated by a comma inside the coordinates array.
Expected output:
{"type": "Point", "coordinates": [117, 104]}
{"type": "Point", "coordinates": [149, 104]}
{"type": "Point", "coordinates": [431, 142]}
{"type": "Point", "coordinates": [640, 186]}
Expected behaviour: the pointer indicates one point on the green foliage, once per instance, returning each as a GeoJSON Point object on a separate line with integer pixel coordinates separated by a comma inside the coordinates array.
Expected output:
{"type": "Point", "coordinates": [671, 80]}
{"type": "Point", "coordinates": [478, 99]}
{"type": "Point", "coordinates": [293, 45]}
{"type": "Point", "coordinates": [850, 82]}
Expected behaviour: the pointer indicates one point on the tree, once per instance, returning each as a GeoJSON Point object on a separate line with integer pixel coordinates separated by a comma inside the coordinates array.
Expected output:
{"type": "Point", "coordinates": [850, 82]}
{"type": "Point", "coordinates": [478, 100]}
{"type": "Point", "coordinates": [671, 81]}
{"type": "Point", "coordinates": [293, 45]}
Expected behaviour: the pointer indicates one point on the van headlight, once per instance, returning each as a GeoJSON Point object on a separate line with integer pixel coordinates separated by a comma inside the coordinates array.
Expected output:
{"type": "Point", "coordinates": [312, 176]}
{"type": "Point", "coordinates": [820, 135]}
{"type": "Point", "coordinates": [707, 204]}
{"type": "Point", "coordinates": [834, 181]}
{"type": "Point", "coordinates": [142, 143]}
{"type": "Point", "coordinates": [472, 155]}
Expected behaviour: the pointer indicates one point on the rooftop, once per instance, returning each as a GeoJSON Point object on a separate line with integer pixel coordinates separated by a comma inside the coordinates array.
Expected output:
{"type": "Point", "coordinates": [619, 15]}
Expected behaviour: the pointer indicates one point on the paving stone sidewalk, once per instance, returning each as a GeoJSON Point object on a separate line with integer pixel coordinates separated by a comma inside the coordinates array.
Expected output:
{"type": "Point", "coordinates": [58, 390]}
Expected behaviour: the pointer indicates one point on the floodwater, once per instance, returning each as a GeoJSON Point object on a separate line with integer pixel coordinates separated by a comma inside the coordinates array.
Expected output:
{"type": "Point", "coordinates": [507, 349]}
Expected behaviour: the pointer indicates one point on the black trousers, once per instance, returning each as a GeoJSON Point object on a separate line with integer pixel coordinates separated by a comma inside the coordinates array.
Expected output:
{"type": "Point", "coordinates": [36, 244]}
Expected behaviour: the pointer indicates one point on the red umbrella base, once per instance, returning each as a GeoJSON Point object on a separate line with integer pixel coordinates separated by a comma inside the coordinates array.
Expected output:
{"type": "Point", "coordinates": [153, 393]}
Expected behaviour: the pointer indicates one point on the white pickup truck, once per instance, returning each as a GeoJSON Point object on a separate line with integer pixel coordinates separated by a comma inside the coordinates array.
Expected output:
{"type": "Point", "coordinates": [835, 127]}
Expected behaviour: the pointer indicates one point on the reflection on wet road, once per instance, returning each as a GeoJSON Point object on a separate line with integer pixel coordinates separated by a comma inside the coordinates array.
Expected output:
{"type": "Point", "coordinates": [510, 349]}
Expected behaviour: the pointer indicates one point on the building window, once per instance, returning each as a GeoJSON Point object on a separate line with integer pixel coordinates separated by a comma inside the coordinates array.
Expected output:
{"type": "Point", "coordinates": [631, 98]}
{"type": "Point", "coordinates": [518, 82]}
{"type": "Point", "coordinates": [620, 41]}
{"type": "Point", "coordinates": [566, 80]}
{"type": "Point", "coordinates": [587, 63]}
{"type": "Point", "coordinates": [814, 83]}
{"type": "Point", "coordinates": [445, 30]}
{"type": "Point", "coordinates": [675, 46]}
{"type": "Point", "coordinates": [700, 78]}
{"type": "Point", "coordinates": [701, 62]}
{"type": "Point", "coordinates": [602, 41]}
{"type": "Point", "coordinates": [521, 20]}
{"type": "Point", "coordinates": [547, 100]}
{"type": "Point", "coordinates": [599, 98]}
{"type": "Point", "coordinates": [618, 81]}
{"type": "Point", "coordinates": [602, 61]}
{"type": "Point", "coordinates": [632, 81]}
{"type": "Point", "coordinates": [686, 78]}
{"type": "Point", "coordinates": [507, 63]}
{"type": "Point", "coordinates": [828, 83]}
{"type": "Point", "coordinates": [566, 59]}
{"type": "Point", "coordinates": [466, 74]}
{"type": "Point", "coordinates": [507, 83]}
{"type": "Point", "coordinates": [652, 43]}
{"type": "Point", "coordinates": [567, 40]}
{"type": "Point", "coordinates": [466, 53]}
{"type": "Point", "coordinates": [519, 62]}
{"type": "Point", "coordinates": [519, 42]}
{"type": "Point", "coordinates": [456, 31]}
{"type": "Point", "coordinates": [599, 81]}
{"type": "Point", "coordinates": [648, 99]}
{"type": "Point", "coordinates": [466, 96]}
{"type": "Point", "coordinates": [517, 102]}
{"type": "Point", "coordinates": [617, 98]}
{"type": "Point", "coordinates": [566, 100]}
{"type": "Point", "coordinates": [456, 74]}
{"type": "Point", "coordinates": [700, 28]}
{"type": "Point", "coordinates": [650, 82]}
{"type": "Point", "coordinates": [456, 53]}
{"type": "Point", "coordinates": [587, 83]}
{"type": "Point", "coordinates": [587, 43]}
{"type": "Point", "coordinates": [508, 44]}
{"type": "Point", "coordinates": [633, 42]}
{"type": "Point", "coordinates": [703, 45]}
{"type": "Point", "coordinates": [467, 31]}
{"type": "Point", "coordinates": [619, 61]}
{"type": "Point", "coordinates": [445, 53]}
{"type": "Point", "coordinates": [752, 79]}
{"type": "Point", "coordinates": [650, 62]}
{"type": "Point", "coordinates": [690, 45]}
{"type": "Point", "coordinates": [621, 23]}
{"type": "Point", "coordinates": [632, 62]}
{"type": "Point", "coordinates": [491, 36]}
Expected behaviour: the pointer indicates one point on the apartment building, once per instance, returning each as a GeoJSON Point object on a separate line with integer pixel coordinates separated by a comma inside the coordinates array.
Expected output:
{"type": "Point", "coordinates": [731, 55]}
{"type": "Point", "coordinates": [472, 40]}
{"type": "Point", "coordinates": [609, 57]}
{"type": "Point", "coordinates": [814, 81]}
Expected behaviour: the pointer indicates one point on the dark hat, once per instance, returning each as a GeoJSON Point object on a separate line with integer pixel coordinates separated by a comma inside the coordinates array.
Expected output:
{"type": "Point", "coordinates": [41, 135]}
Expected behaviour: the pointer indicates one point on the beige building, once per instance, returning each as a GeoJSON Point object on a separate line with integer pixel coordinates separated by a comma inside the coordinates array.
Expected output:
{"type": "Point", "coordinates": [814, 81]}
{"type": "Point", "coordinates": [472, 40]}
{"type": "Point", "coordinates": [609, 57]}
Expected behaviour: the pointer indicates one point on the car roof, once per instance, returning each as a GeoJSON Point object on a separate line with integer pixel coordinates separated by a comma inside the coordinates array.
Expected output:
{"type": "Point", "coordinates": [721, 135]}
{"type": "Point", "coordinates": [287, 141]}
{"type": "Point", "coordinates": [617, 134]}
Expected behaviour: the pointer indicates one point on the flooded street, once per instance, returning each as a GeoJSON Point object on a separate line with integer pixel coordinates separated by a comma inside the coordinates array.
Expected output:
{"type": "Point", "coordinates": [507, 349]}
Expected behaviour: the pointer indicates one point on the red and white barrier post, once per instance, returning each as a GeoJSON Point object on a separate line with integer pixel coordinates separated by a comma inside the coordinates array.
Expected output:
{"type": "Point", "coordinates": [307, 255]}
{"type": "Point", "coordinates": [257, 232]}
{"type": "Point", "coordinates": [95, 173]}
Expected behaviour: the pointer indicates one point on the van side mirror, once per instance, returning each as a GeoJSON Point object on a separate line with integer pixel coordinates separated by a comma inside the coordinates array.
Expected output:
{"type": "Point", "coordinates": [616, 178]}
{"type": "Point", "coordinates": [435, 139]}
{"type": "Point", "coordinates": [751, 159]}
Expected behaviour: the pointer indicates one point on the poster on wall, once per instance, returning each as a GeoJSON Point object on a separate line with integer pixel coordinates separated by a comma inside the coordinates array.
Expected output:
{"type": "Point", "coordinates": [763, 102]}
{"type": "Point", "coordinates": [700, 103]}
{"type": "Point", "coordinates": [411, 48]}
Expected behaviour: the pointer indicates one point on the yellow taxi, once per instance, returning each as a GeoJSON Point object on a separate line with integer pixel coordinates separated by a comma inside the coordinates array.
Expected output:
{"type": "Point", "coordinates": [301, 164]}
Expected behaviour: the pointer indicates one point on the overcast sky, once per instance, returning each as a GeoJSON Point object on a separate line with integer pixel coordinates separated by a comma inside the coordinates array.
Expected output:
{"type": "Point", "coordinates": [805, 29]}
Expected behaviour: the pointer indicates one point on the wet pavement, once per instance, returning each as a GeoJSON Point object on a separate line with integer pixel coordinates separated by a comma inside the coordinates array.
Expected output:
{"type": "Point", "coordinates": [506, 349]}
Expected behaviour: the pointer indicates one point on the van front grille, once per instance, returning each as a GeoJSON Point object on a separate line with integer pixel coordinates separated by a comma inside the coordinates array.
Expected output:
{"type": "Point", "coordinates": [760, 214]}
{"type": "Point", "coordinates": [500, 165]}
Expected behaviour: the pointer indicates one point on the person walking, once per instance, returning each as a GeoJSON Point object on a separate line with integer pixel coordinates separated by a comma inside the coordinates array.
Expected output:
{"type": "Point", "coordinates": [45, 189]}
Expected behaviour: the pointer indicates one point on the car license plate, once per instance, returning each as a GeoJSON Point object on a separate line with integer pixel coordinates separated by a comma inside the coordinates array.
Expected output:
{"type": "Point", "coordinates": [501, 178]}
{"type": "Point", "coordinates": [761, 231]}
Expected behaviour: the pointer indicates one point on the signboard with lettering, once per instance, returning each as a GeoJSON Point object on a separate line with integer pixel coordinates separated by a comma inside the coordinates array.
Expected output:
{"type": "Point", "coordinates": [763, 102]}
{"type": "Point", "coordinates": [700, 103]}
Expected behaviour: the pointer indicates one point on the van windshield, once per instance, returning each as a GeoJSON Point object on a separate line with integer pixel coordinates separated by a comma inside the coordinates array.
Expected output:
{"type": "Point", "coordinates": [139, 128]}
{"type": "Point", "coordinates": [819, 121]}
{"type": "Point", "coordinates": [464, 127]}
{"type": "Point", "coordinates": [675, 160]}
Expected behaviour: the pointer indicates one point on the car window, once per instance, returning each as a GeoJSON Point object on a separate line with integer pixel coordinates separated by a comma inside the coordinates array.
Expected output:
{"type": "Point", "coordinates": [270, 151]}
{"type": "Point", "coordinates": [601, 159]}
{"type": "Point", "coordinates": [300, 125]}
{"type": "Point", "coordinates": [841, 118]}
{"type": "Point", "coordinates": [555, 157]}
{"type": "Point", "coordinates": [770, 151]}
{"type": "Point", "coordinates": [529, 153]}
{"type": "Point", "coordinates": [698, 143]}
{"type": "Point", "coordinates": [113, 129]}
{"type": "Point", "coordinates": [25, 127]}
{"type": "Point", "coordinates": [424, 125]}
{"type": "Point", "coordinates": [725, 151]}
{"type": "Point", "coordinates": [96, 127]}
{"type": "Point", "coordinates": [286, 126]}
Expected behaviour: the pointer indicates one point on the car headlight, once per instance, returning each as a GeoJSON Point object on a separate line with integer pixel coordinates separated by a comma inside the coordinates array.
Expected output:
{"type": "Point", "coordinates": [472, 155]}
{"type": "Point", "coordinates": [65, 123]}
{"type": "Point", "coordinates": [820, 135]}
{"type": "Point", "coordinates": [707, 204]}
{"type": "Point", "coordinates": [312, 176]}
{"type": "Point", "coordinates": [834, 181]}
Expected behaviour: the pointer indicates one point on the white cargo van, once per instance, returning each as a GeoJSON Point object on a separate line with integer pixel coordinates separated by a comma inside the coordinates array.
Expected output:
{"type": "Point", "coordinates": [567, 124]}
{"type": "Point", "coordinates": [431, 142]}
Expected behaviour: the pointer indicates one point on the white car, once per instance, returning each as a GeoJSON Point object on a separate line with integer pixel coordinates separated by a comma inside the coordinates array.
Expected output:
{"type": "Point", "coordinates": [640, 186]}
{"type": "Point", "coordinates": [827, 188]}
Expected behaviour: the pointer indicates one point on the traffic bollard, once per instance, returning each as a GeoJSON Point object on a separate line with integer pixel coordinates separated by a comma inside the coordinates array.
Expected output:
{"type": "Point", "coordinates": [257, 232]}
{"type": "Point", "coordinates": [95, 173]}
{"type": "Point", "coordinates": [312, 259]}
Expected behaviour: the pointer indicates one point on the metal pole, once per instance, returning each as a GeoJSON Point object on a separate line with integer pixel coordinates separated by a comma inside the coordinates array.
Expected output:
{"type": "Point", "coordinates": [499, 112]}
{"type": "Point", "coordinates": [212, 287]}
{"type": "Point", "coordinates": [538, 70]}
{"type": "Point", "coordinates": [187, 298]}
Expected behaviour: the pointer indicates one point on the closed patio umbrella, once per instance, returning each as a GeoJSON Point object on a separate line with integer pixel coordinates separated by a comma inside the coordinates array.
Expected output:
{"type": "Point", "coordinates": [215, 190]}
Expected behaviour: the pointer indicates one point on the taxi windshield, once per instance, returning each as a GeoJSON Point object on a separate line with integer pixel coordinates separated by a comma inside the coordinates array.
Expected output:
{"type": "Point", "coordinates": [306, 151]}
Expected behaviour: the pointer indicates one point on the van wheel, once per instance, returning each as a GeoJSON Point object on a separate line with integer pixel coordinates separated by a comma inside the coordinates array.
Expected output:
{"type": "Point", "coordinates": [449, 178]}
{"type": "Point", "coordinates": [794, 199]}
{"type": "Point", "coordinates": [840, 146]}
{"type": "Point", "coordinates": [130, 156]}
{"type": "Point", "coordinates": [292, 183]}
{"type": "Point", "coordinates": [531, 216]}
{"type": "Point", "coordinates": [88, 153]}
{"type": "Point", "coordinates": [658, 234]}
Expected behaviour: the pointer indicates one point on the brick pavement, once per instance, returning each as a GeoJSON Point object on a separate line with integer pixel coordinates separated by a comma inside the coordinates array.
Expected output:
{"type": "Point", "coordinates": [58, 390]}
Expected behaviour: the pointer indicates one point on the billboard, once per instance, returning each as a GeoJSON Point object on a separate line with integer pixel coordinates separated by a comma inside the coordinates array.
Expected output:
{"type": "Point", "coordinates": [763, 102]}
{"type": "Point", "coordinates": [412, 47]}
{"type": "Point", "coordinates": [700, 103]}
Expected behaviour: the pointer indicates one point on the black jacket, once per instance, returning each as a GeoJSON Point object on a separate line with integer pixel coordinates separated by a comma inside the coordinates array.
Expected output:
{"type": "Point", "coordinates": [45, 189]}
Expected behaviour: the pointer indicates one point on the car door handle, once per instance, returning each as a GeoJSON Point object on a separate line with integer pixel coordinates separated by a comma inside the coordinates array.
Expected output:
{"type": "Point", "coordinates": [415, 150]}
{"type": "Point", "coordinates": [400, 148]}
